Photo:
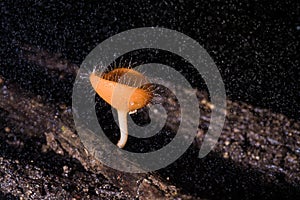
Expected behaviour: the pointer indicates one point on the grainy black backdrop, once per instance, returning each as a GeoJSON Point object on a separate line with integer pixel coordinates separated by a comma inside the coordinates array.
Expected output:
{"type": "Point", "coordinates": [254, 44]}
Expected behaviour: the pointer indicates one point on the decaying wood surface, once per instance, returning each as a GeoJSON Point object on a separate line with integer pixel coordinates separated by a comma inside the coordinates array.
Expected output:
{"type": "Point", "coordinates": [35, 117]}
{"type": "Point", "coordinates": [252, 137]}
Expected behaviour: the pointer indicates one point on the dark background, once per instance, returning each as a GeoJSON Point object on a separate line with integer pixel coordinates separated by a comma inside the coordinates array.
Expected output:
{"type": "Point", "coordinates": [254, 44]}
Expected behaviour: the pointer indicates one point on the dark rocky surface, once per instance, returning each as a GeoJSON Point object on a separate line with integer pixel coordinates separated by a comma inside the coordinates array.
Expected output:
{"type": "Point", "coordinates": [32, 168]}
{"type": "Point", "coordinates": [254, 44]}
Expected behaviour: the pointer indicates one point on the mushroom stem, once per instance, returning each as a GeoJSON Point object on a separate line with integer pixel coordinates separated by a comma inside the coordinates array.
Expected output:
{"type": "Point", "coordinates": [122, 117]}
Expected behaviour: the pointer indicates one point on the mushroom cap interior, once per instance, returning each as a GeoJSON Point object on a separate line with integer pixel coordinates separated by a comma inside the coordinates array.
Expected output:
{"type": "Point", "coordinates": [120, 88]}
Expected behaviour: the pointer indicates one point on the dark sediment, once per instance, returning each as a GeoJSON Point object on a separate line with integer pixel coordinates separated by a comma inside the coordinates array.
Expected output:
{"type": "Point", "coordinates": [256, 156]}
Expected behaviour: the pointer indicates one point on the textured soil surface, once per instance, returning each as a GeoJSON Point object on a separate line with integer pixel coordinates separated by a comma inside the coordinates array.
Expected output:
{"type": "Point", "coordinates": [255, 48]}
{"type": "Point", "coordinates": [251, 159]}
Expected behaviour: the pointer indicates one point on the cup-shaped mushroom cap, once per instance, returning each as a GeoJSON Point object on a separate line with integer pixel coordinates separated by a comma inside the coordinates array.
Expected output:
{"type": "Point", "coordinates": [121, 88]}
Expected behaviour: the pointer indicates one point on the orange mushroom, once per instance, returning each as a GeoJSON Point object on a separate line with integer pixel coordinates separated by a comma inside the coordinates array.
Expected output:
{"type": "Point", "coordinates": [121, 88]}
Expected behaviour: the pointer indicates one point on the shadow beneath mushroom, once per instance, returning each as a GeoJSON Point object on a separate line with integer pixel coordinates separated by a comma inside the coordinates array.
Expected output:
{"type": "Point", "coordinates": [215, 177]}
